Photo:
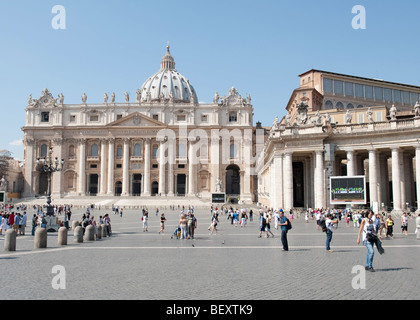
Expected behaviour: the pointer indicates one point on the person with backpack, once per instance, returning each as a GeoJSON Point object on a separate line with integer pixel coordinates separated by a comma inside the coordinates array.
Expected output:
{"type": "Point", "coordinates": [285, 226]}
{"type": "Point", "coordinates": [329, 223]}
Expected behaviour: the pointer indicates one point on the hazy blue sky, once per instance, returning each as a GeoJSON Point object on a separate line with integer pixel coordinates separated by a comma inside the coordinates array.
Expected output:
{"type": "Point", "coordinates": [260, 47]}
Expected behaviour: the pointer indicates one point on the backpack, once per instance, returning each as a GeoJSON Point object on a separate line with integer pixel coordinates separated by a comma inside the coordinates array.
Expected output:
{"type": "Point", "coordinates": [289, 225]}
{"type": "Point", "coordinates": [323, 225]}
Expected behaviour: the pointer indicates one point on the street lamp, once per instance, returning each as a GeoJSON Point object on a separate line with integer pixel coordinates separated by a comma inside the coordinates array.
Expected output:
{"type": "Point", "coordinates": [49, 166]}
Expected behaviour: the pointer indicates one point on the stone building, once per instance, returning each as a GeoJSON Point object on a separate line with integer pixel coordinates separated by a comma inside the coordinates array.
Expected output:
{"type": "Point", "coordinates": [342, 125]}
{"type": "Point", "coordinates": [162, 142]}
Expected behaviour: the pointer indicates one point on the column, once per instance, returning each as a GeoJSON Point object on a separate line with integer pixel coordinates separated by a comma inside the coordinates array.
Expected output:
{"type": "Point", "coordinates": [276, 199]}
{"type": "Point", "coordinates": [147, 192]}
{"type": "Point", "coordinates": [162, 169]}
{"type": "Point", "coordinates": [102, 187]}
{"type": "Point", "coordinates": [111, 155]}
{"type": "Point", "coordinates": [351, 168]}
{"type": "Point", "coordinates": [384, 180]}
{"type": "Point", "coordinates": [319, 179]}
{"type": "Point", "coordinates": [418, 177]}
{"type": "Point", "coordinates": [396, 184]}
{"type": "Point", "coordinates": [57, 176]}
{"type": "Point", "coordinates": [82, 166]}
{"type": "Point", "coordinates": [373, 178]}
{"type": "Point", "coordinates": [126, 164]}
{"type": "Point", "coordinates": [192, 176]}
{"type": "Point", "coordinates": [215, 161]}
{"type": "Point", "coordinates": [288, 180]}
{"type": "Point", "coordinates": [29, 183]}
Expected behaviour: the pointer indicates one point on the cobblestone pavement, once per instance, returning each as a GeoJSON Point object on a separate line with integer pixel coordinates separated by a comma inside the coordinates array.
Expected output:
{"type": "Point", "coordinates": [233, 264]}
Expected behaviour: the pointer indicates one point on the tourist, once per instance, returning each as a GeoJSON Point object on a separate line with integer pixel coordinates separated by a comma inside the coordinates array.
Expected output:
{"type": "Point", "coordinates": [404, 223]}
{"type": "Point", "coordinates": [262, 224]}
{"type": "Point", "coordinates": [283, 223]}
{"type": "Point", "coordinates": [367, 226]}
{"type": "Point", "coordinates": [330, 225]}
{"type": "Point", "coordinates": [162, 223]}
{"type": "Point", "coordinates": [145, 218]}
{"type": "Point", "coordinates": [183, 224]}
{"type": "Point", "coordinates": [34, 223]}
{"type": "Point", "coordinates": [276, 218]}
{"type": "Point", "coordinates": [381, 226]}
{"type": "Point", "coordinates": [214, 224]}
{"type": "Point", "coordinates": [267, 225]}
{"type": "Point", "coordinates": [418, 226]}
{"type": "Point", "coordinates": [192, 224]}
{"type": "Point", "coordinates": [389, 223]}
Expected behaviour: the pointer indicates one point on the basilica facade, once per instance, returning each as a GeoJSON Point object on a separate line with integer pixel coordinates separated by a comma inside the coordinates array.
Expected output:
{"type": "Point", "coordinates": [162, 142]}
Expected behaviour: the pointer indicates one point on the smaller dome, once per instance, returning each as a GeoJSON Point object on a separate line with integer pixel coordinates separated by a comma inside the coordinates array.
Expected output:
{"type": "Point", "coordinates": [168, 84]}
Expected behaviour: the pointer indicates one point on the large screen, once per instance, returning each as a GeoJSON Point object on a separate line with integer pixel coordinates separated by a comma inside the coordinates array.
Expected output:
{"type": "Point", "coordinates": [348, 190]}
{"type": "Point", "coordinates": [218, 198]}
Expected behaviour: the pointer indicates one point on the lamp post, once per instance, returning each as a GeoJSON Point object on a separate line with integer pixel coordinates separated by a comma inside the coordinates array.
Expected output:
{"type": "Point", "coordinates": [49, 166]}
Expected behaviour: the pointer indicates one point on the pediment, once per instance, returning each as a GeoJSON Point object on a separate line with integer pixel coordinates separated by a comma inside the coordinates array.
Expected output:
{"type": "Point", "coordinates": [136, 119]}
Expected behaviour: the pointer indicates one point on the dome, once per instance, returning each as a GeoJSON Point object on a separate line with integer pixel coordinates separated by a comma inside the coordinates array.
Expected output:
{"type": "Point", "coordinates": [168, 84]}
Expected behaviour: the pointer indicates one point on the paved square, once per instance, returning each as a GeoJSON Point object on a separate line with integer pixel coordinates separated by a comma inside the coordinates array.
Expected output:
{"type": "Point", "coordinates": [232, 264]}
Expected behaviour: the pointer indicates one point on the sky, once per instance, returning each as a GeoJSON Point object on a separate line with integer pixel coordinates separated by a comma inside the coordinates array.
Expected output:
{"type": "Point", "coordinates": [259, 47]}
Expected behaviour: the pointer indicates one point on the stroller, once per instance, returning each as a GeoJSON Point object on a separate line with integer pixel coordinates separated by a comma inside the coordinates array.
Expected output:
{"type": "Point", "coordinates": [177, 233]}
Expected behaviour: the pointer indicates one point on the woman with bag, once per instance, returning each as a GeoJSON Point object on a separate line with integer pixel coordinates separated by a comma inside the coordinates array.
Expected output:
{"type": "Point", "coordinates": [367, 226]}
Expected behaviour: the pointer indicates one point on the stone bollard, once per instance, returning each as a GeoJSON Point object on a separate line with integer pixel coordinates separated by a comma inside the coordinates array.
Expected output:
{"type": "Point", "coordinates": [89, 233]}
{"type": "Point", "coordinates": [78, 234]}
{"type": "Point", "coordinates": [40, 238]}
{"type": "Point", "coordinates": [74, 224]}
{"type": "Point", "coordinates": [10, 240]}
{"type": "Point", "coordinates": [62, 236]}
{"type": "Point", "coordinates": [99, 236]}
{"type": "Point", "coordinates": [104, 231]}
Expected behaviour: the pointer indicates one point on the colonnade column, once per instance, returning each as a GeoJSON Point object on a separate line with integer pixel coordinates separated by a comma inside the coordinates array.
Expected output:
{"type": "Point", "coordinates": [396, 179]}
{"type": "Point", "coordinates": [81, 188]}
{"type": "Point", "coordinates": [126, 163]}
{"type": "Point", "coordinates": [102, 188]}
{"type": "Point", "coordinates": [111, 155]}
{"type": "Point", "coordinates": [277, 182]}
{"type": "Point", "coordinates": [418, 177]}
{"type": "Point", "coordinates": [319, 179]}
{"type": "Point", "coordinates": [373, 178]}
{"type": "Point", "coordinates": [288, 180]}
{"type": "Point", "coordinates": [147, 167]}
{"type": "Point", "coordinates": [351, 163]}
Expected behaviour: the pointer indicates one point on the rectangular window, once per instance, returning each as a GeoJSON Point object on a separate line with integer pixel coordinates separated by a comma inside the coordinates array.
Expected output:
{"type": "Point", "coordinates": [406, 97]}
{"type": "Point", "coordinates": [369, 92]}
{"type": "Point", "coordinates": [155, 152]}
{"type": "Point", "coordinates": [379, 94]}
{"type": "Point", "coordinates": [397, 96]}
{"type": "Point", "coordinates": [414, 98]}
{"type": "Point", "coordinates": [118, 166]}
{"type": "Point", "coordinates": [181, 117]}
{"type": "Point", "coordinates": [204, 118]}
{"type": "Point", "coordinates": [387, 95]}
{"type": "Point", "coordinates": [233, 117]}
{"type": "Point", "coordinates": [378, 116]}
{"type": "Point", "coordinates": [338, 87]}
{"type": "Point", "coordinates": [358, 90]}
{"type": "Point", "coordinates": [360, 118]}
{"type": "Point", "coordinates": [349, 88]}
{"type": "Point", "coordinates": [45, 117]}
{"type": "Point", "coordinates": [94, 118]}
{"type": "Point", "coordinates": [72, 118]}
{"type": "Point", "coordinates": [156, 117]}
{"type": "Point", "coordinates": [119, 116]}
{"type": "Point", "coordinates": [328, 85]}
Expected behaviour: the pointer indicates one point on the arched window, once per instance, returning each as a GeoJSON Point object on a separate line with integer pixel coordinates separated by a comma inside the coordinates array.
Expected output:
{"type": "Point", "coordinates": [328, 105]}
{"type": "Point", "coordinates": [350, 106]}
{"type": "Point", "coordinates": [44, 149]}
{"type": "Point", "coordinates": [137, 150]}
{"type": "Point", "coordinates": [94, 150]}
{"type": "Point", "coordinates": [119, 152]}
{"type": "Point", "coordinates": [339, 105]}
